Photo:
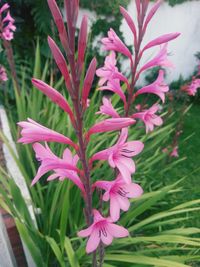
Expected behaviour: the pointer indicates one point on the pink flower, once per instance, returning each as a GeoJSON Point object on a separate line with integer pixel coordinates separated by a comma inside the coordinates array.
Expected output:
{"type": "Point", "coordinates": [130, 22]}
{"type": "Point", "coordinates": [3, 75]}
{"type": "Point", "coordinates": [110, 71]}
{"type": "Point", "coordinates": [34, 132]}
{"type": "Point", "coordinates": [158, 87]}
{"type": "Point", "coordinates": [87, 84]}
{"type": "Point", "coordinates": [113, 42]}
{"type": "Point", "coordinates": [191, 89]}
{"type": "Point", "coordinates": [102, 229]}
{"type": "Point", "coordinates": [63, 168]}
{"type": "Point", "coordinates": [58, 19]}
{"type": "Point", "coordinates": [159, 60]}
{"type": "Point", "coordinates": [7, 26]}
{"type": "Point", "coordinates": [149, 118]}
{"type": "Point", "coordinates": [161, 40]}
{"type": "Point", "coordinates": [165, 150]}
{"type": "Point", "coordinates": [118, 192]}
{"type": "Point", "coordinates": [114, 86]}
{"type": "Point", "coordinates": [4, 7]}
{"type": "Point", "coordinates": [108, 109]}
{"type": "Point", "coordinates": [61, 62]}
{"type": "Point", "coordinates": [109, 125]}
{"type": "Point", "coordinates": [82, 43]}
{"type": "Point", "coordinates": [54, 95]}
{"type": "Point", "coordinates": [174, 152]}
{"type": "Point", "coordinates": [151, 13]}
{"type": "Point", "coordinates": [138, 107]}
{"type": "Point", "coordinates": [119, 155]}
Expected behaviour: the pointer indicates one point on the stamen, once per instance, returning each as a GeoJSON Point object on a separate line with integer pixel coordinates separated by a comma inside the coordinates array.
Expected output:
{"type": "Point", "coordinates": [122, 192]}
{"type": "Point", "coordinates": [104, 231]}
{"type": "Point", "coordinates": [127, 151]}
{"type": "Point", "coordinates": [126, 156]}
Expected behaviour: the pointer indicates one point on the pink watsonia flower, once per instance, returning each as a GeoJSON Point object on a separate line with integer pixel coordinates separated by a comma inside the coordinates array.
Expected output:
{"type": "Point", "coordinates": [54, 95]}
{"type": "Point", "coordinates": [158, 87]}
{"type": "Point", "coordinates": [4, 8]}
{"type": "Point", "coordinates": [87, 84]}
{"type": "Point", "coordinates": [118, 192]}
{"type": "Point", "coordinates": [165, 150]}
{"type": "Point", "coordinates": [151, 13]}
{"type": "Point", "coordinates": [165, 38]}
{"type": "Point", "coordinates": [130, 22]}
{"type": "Point", "coordinates": [7, 26]}
{"type": "Point", "coordinates": [34, 132]}
{"type": "Point", "coordinates": [149, 118]}
{"type": "Point", "coordinates": [103, 229]}
{"type": "Point", "coordinates": [138, 107]}
{"type": "Point", "coordinates": [61, 62]}
{"type": "Point", "coordinates": [110, 125]}
{"type": "Point", "coordinates": [119, 156]}
{"type": "Point", "coordinates": [57, 16]}
{"type": "Point", "coordinates": [114, 86]}
{"type": "Point", "coordinates": [82, 43]}
{"type": "Point", "coordinates": [64, 168]}
{"type": "Point", "coordinates": [3, 74]}
{"type": "Point", "coordinates": [108, 109]}
{"type": "Point", "coordinates": [160, 60]}
{"type": "Point", "coordinates": [113, 42]}
{"type": "Point", "coordinates": [191, 89]}
{"type": "Point", "coordinates": [109, 71]}
{"type": "Point", "coordinates": [174, 152]}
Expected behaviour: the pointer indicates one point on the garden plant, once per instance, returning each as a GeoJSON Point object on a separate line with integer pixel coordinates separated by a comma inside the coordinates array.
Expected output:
{"type": "Point", "coordinates": [89, 151]}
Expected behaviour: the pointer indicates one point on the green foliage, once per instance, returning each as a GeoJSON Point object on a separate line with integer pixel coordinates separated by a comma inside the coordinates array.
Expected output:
{"type": "Point", "coordinates": [175, 2]}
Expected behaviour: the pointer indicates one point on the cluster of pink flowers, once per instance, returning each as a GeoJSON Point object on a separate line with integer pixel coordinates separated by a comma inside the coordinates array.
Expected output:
{"type": "Point", "coordinates": [191, 88]}
{"type": "Point", "coordinates": [3, 74]}
{"type": "Point", "coordinates": [119, 156]}
{"type": "Point", "coordinates": [7, 26]}
{"type": "Point", "coordinates": [174, 153]}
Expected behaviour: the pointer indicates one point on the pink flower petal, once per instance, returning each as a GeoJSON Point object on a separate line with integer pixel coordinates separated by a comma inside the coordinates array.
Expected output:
{"type": "Point", "coordinates": [107, 238]}
{"type": "Point", "coordinates": [93, 241]}
{"type": "Point", "coordinates": [124, 172]}
{"type": "Point", "coordinates": [123, 203]}
{"type": "Point", "coordinates": [86, 232]}
{"type": "Point", "coordinates": [117, 231]}
{"type": "Point", "coordinates": [134, 190]}
{"type": "Point", "coordinates": [114, 208]}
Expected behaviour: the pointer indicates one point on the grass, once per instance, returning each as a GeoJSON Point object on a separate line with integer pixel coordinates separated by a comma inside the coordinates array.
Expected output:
{"type": "Point", "coordinates": [190, 148]}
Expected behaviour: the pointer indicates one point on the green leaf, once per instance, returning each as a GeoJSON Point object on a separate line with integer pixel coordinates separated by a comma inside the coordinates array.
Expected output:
{"type": "Point", "coordinates": [73, 260]}
{"type": "Point", "coordinates": [33, 247]}
{"type": "Point", "coordinates": [143, 260]}
{"type": "Point", "coordinates": [56, 251]}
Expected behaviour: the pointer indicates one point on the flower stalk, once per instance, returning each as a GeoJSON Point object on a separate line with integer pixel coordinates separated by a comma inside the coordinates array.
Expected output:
{"type": "Point", "coordinates": [101, 228]}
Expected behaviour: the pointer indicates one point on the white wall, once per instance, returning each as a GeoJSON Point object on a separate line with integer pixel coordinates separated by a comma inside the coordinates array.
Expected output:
{"type": "Point", "coordinates": [183, 18]}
